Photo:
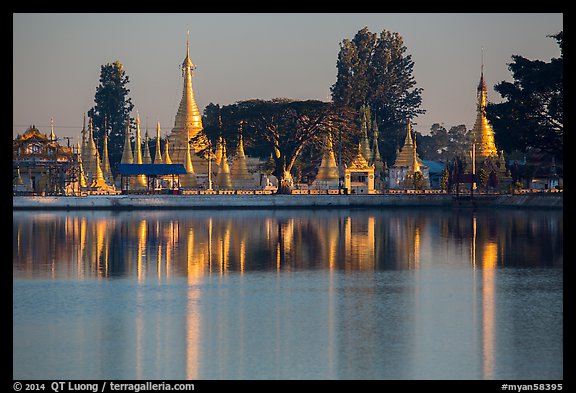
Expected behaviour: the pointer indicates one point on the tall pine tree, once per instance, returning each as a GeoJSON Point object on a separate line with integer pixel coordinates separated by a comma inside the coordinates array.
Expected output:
{"type": "Point", "coordinates": [376, 71]}
{"type": "Point", "coordinates": [114, 105]}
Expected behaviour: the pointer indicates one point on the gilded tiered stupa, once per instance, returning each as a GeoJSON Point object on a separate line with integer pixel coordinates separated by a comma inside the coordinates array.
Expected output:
{"type": "Point", "coordinates": [379, 166]}
{"type": "Point", "coordinates": [241, 178]}
{"type": "Point", "coordinates": [188, 121]}
{"type": "Point", "coordinates": [407, 164]}
{"type": "Point", "coordinates": [328, 176]}
{"type": "Point", "coordinates": [482, 133]}
{"type": "Point", "coordinates": [483, 148]}
{"type": "Point", "coordinates": [223, 178]}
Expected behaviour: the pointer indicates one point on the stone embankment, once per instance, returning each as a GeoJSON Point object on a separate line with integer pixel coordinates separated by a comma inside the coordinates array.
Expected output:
{"type": "Point", "coordinates": [127, 202]}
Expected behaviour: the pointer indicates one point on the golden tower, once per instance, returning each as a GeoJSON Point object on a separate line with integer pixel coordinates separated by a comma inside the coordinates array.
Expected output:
{"type": "Point", "coordinates": [241, 178]}
{"type": "Point", "coordinates": [158, 154]}
{"type": "Point", "coordinates": [328, 171]}
{"type": "Point", "coordinates": [188, 121]}
{"type": "Point", "coordinates": [146, 158]}
{"type": "Point", "coordinates": [364, 143]}
{"type": "Point", "coordinates": [407, 155]}
{"type": "Point", "coordinates": [140, 181]}
{"type": "Point", "coordinates": [167, 159]}
{"type": "Point", "coordinates": [127, 157]}
{"type": "Point", "coordinates": [81, 175]}
{"type": "Point", "coordinates": [223, 179]}
{"type": "Point", "coordinates": [482, 133]}
{"type": "Point", "coordinates": [189, 179]}
{"type": "Point", "coordinates": [106, 161]}
{"type": "Point", "coordinates": [90, 154]}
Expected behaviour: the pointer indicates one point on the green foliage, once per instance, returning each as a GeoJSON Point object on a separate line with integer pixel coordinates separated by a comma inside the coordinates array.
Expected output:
{"type": "Point", "coordinates": [376, 71]}
{"type": "Point", "coordinates": [418, 180]}
{"type": "Point", "coordinates": [444, 180]}
{"type": "Point", "coordinates": [112, 103]}
{"type": "Point", "coordinates": [532, 115]}
{"type": "Point", "coordinates": [280, 126]}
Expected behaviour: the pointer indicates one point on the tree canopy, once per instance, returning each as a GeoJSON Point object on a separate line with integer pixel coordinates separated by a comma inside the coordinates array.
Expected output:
{"type": "Point", "coordinates": [376, 71]}
{"type": "Point", "coordinates": [281, 127]}
{"type": "Point", "coordinates": [114, 106]}
{"type": "Point", "coordinates": [532, 115]}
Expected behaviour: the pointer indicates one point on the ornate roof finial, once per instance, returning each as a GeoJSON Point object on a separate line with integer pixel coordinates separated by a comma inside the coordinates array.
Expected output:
{"type": "Point", "coordinates": [52, 136]}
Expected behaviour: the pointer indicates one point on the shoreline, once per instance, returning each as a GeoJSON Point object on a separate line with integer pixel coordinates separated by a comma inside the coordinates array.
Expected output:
{"type": "Point", "coordinates": [177, 202]}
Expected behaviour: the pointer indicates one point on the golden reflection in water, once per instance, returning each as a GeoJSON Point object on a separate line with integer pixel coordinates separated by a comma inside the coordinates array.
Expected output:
{"type": "Point", "coordinates": [93, 246]}
{"type": "Point", "coordinates": [194, 273]}
{"type": "Point", "coordinates": [489, 262]}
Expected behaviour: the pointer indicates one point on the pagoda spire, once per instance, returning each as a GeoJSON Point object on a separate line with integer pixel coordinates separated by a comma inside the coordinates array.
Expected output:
{"type": "Point", "coordinates": [105, 161]}
{"type": "Point", "coordinates": [137, 142]}
{"type": "Point", "coordinates": [189, 179]}
{"type": "Point", "coordinates": [364, 143]}
{"type": "Point", "coordinates": [167, 159]}
{"type": "Point", "coordinates": [127, 157]}
{"type": "Point", "coordinates": [146, 158]}
{"type": "Point", "coordinates": [188, 121]}
{"type": "Point", "coordinates": [241, 178]}
{"type": "Point", "coordinates": [376, 158]}
{"type": "Point", "coordinates": [415, 163]}
{"type": "Point", "coordinates": [328, 171]}
{"type": "Point", "coordinates": [90, 153]}
{"type": "Point", "coordinates": [82, 175]}
{"type": "Point", "coordinates": [482, 133]}
{"type": "Point", "coordinates": [223, 179]}
{"type": "Point", "coordinates": [140, 181]}
{"type": "Point", "coordinates": [158, 154]}
{"type": "Point", "coordinates": [52, 136]}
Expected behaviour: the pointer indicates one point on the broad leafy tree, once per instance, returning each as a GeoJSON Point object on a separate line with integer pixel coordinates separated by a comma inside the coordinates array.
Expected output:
{"type": "Point", "coordinates": [375, 70]}
{"type": "Point", "coordinates": [280, 127]}
{"type": "Point", "coordinates": [114, 105]}
{"type": "Point", "coordinates": [532, 115]}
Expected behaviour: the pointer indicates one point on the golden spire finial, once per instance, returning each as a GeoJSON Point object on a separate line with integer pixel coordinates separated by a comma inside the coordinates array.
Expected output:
{"type": "Point", "coordinates": [158, 155]}
{"type": "Point", "coordinates": [52, 136]}
{"type": "Point", "coordinates": [127, 156]}
{"type": "Point", "coordinates": [167, 159]}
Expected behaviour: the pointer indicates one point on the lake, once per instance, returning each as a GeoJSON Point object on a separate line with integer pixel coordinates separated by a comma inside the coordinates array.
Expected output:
{"type": "Point", "coordinates": [288, 294]}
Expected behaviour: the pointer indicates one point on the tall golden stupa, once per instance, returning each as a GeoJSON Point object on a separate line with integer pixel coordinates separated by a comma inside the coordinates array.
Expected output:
{"type": "Point", "coordinates": [482, 133]}
{"type": "Point", "coordinates": [188, 121]}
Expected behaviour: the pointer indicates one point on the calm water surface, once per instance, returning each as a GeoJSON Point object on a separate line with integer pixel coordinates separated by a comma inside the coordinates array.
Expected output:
{"type": "Point", "coordinates": [306, 294]}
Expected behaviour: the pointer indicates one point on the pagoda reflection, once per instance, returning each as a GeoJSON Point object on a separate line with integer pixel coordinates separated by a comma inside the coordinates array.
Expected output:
{"type": "Point", "coordinates": [163, 245]}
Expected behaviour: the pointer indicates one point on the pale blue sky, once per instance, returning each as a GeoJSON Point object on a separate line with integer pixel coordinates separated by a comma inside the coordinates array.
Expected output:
{"type": "Point", "coordinates": [57, 59]}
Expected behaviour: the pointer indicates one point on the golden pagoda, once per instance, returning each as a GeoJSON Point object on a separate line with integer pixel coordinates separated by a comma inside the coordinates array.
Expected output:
{"type": "Point", "coordinates": [89, 154]}
{"type": "Point", "coordinates": [106, 161]}
{"type": "Point", "coordinates": [482, 133]}
{"type": "Point", "coordinates": [407, 163]}
{"type": "Point", "coordinates": [127, 157]}
{"type": "Point", "coordinates": [82, 182]}
{"type": "Point", "coordinates": [189, 179]}
{"type": "Point", "coordinates": [364, 143]}
{"type": "Point", "coordinates": [167, 159]}
{"type": "Point", "coordinates": [139, 181]}
{"type": "Point", "coordinates": [146, 158]}
{"type": "Point", "coordinates": [158, 154]}
{"type": "Point", "coordinates": [98, 182]}
{"type": "Point", "coordinates": [379, 166]}
{"type": "Point", "coordinates": [328, 176]}
{"type": "Point", "coordinates": [241, 178]}
{"type": "Point", "coordinates": [223, 179]}
{"type": "Point", "coordinates": [188, 121]}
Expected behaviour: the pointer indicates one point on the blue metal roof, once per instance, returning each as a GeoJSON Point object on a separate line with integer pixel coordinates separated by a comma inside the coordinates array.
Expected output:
{"type": "Point", "coordinates": [152, 169]}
